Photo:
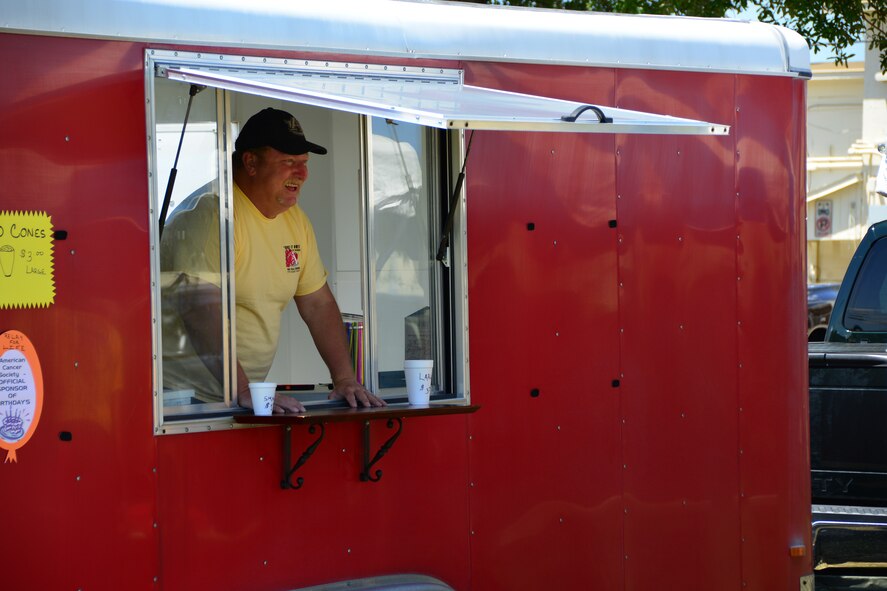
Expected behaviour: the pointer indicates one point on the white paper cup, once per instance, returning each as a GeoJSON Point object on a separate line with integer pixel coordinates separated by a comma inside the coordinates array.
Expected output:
{"type": "Point", "coordinates": [262, 394]}
{"type": "Point", "coordinates": [418, 375]}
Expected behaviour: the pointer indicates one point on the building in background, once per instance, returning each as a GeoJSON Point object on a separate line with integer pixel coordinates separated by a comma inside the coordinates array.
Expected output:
{"type": "Point", "coordinates": [846, 121]}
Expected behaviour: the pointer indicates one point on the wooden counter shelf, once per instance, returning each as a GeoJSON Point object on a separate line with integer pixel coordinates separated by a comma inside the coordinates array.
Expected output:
{"type": "Point", "coordinates": [316, 418]}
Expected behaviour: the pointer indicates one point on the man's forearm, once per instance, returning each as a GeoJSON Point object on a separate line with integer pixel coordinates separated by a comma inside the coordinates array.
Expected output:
{"type": "Point", "coordinates": [324, 320]}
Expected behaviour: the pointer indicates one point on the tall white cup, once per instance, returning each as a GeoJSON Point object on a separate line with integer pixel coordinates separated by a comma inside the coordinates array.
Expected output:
{"type": "Point", "coordinates": [262, 394]}
{"type": "Point", "coordinates": [418, 375]}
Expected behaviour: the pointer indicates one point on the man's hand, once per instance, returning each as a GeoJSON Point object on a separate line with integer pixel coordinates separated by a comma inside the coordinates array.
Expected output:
{"type": "Point", "coordinates": [354, 394]}
{"type": "Point", "coordinates": [283, 403]}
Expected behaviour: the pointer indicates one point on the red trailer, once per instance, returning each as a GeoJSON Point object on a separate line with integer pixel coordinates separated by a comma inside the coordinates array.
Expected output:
{"type": "Point", "coordinates": [615, 310]}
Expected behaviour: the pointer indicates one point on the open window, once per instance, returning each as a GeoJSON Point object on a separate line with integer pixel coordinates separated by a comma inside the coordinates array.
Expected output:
{"type": "Point", "coordinates": [379, 202]}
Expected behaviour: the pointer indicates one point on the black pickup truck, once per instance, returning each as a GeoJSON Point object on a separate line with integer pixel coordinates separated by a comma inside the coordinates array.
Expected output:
{"type": "Point", "coordinates": [848, 428]}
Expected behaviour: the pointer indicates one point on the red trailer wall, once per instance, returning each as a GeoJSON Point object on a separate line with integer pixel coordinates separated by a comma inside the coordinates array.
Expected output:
{"type": "Point", "coordinates": [80, 513]}
{"type": "Point", "coordinates": [667, 441]}
{"type": "Point", "coordinates": [695, 467]}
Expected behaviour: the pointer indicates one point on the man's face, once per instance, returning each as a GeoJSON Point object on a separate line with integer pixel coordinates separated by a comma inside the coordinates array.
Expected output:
{"type": "Point", "coordinates": [277, 179]}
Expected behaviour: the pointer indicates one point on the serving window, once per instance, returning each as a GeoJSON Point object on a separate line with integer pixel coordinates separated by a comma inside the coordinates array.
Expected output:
{"type": "Point", "coordinates": [377, 202]}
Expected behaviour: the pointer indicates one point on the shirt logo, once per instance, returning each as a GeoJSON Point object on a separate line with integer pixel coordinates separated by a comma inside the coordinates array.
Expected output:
{"type": "Point", "coordinates": [291, 257]}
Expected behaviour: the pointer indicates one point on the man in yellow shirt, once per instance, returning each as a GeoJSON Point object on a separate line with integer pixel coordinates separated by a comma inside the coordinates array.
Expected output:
{"type": "Point", "coordinates": [275, 259]}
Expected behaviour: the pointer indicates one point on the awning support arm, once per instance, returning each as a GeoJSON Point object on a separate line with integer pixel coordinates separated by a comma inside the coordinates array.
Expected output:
{"type": "Point", "coordinates": [195, 88]}
{"type": "Point", "coordinates": [444, 245]}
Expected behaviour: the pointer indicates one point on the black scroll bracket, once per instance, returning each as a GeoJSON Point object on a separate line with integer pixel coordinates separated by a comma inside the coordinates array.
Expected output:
{"type": "Point", "coordinates": [579, 110]}
{"type": "Point", "coordinates": [288, 469]}
{"type": "Point", "coordinates": [367, 464]}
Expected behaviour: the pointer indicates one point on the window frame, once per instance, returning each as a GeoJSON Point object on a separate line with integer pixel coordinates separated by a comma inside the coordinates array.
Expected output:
{"type": "Point", "coordinates": [451, 360]}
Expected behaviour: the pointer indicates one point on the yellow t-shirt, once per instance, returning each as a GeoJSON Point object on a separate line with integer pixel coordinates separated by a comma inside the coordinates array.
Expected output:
{"type": "Point", "coordinates": [274, 260]}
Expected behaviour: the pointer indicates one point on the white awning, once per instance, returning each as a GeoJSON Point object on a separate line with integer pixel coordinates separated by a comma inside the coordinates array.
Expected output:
{"type": "Point", "coordinates": [441, 102]}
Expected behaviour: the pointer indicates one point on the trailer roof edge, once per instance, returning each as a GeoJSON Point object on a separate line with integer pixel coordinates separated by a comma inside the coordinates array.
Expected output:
{"type": "Point", "coordinates": [430, 30]}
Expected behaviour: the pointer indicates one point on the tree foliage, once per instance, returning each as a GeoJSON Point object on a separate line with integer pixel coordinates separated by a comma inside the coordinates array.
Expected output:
{"type": "Point", "coordinates": [827, 25]}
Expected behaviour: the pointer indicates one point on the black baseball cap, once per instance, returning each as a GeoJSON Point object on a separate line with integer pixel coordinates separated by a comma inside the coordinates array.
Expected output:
{"type": "Point", "coordinates": [276, 129]}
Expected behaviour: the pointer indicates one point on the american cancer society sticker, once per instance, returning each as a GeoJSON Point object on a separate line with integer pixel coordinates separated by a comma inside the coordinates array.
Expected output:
{"type": "Point", "coordinates": [21, 392]}
{"type": "Point", "coordinates": [26, 271]}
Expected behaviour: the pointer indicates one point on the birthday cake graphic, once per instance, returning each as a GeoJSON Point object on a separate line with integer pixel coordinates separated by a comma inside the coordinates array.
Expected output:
{"type": "Point", "coordinates": [12, 427]}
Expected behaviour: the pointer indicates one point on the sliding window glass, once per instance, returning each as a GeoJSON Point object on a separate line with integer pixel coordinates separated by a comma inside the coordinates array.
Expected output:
{"type": "Point", "coordinates": [192, 249]}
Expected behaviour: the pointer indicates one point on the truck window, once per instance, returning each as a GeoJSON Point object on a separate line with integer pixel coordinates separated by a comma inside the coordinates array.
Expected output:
{"type": "Point", "coordinates": [867, 305]}
{"type": "Point", "coordinates": [375, 201]}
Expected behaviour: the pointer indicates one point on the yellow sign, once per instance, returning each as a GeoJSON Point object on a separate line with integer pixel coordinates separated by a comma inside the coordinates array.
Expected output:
{"type": "Point", "coordinates": [26, 273]}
